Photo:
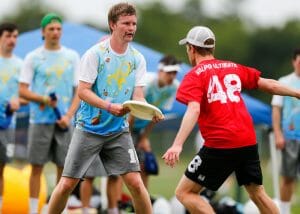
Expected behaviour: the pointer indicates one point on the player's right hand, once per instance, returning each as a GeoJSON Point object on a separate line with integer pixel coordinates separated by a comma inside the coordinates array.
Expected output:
{"type": "Point", "coordinates": [171, 156]}
{"type": "Point", "coordinates": [118, 110]}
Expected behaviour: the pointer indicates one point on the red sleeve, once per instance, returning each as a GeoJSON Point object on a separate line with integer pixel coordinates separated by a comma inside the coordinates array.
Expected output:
{"type": "Point", "coordinates": [249, 77]}
{"type": "Point", "coordinates": [190, 89]}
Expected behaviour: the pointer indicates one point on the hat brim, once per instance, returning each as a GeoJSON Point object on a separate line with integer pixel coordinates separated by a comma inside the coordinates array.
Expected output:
{"type": "Point", "coordinates": [182, 42]}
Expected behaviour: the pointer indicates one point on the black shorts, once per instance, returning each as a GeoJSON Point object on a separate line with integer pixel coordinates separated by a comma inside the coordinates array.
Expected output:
{"type": "Point", "coordinates": [211, 167]}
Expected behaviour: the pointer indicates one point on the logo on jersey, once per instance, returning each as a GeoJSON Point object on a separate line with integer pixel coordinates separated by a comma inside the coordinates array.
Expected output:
{"type": "Point", "coordinates": [194, 164]}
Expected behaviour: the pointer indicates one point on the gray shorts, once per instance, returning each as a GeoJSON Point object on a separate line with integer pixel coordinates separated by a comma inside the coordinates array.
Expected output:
{"type": "Point", "coordinates": [46, 142]}
{"type": "Point", "coordinates": [290, 159]}
{"type": "Point", "coordinates": [7, 136]}
{"type": "Point", "coordinates": [116, 151]}
{"type": "Point", "coordinates": [140, 153]}
{"type": "Point", "coordinates": [96, 169]}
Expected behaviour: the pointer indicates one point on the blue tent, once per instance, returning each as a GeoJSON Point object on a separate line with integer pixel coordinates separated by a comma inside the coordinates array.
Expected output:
{"type": "Point", "coordinates": [81, 37]}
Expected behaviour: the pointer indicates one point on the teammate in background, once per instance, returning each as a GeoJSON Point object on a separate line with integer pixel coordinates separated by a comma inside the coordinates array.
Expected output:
{"type": "Point", "coordinates": [212, 93]}
{"type": "Point", "coordinates": [10, 67]}
{"type": "Point", "coordinates": [49, 80]}
{"type": "Point", "coordinates": [111, 72]}
{"type": "Point", "coordinates": [286, 126]}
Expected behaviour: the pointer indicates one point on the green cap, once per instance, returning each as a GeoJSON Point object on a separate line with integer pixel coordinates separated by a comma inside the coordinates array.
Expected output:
{"type": "Point", "coordinates": [49, 18]}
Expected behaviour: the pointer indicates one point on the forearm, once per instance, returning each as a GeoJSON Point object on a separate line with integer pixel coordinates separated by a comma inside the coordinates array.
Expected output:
{"type": "Point", "coordinates": [74, 105]}
{"type": "Point", "coordinates": [26, 94]}
{"type": "Point", "coordinates": [88, 96]}
{"type": "Point", "coordinates": [274, 87]}
{"type": "Point", "coordinates": [276, 120]}
{"type": "Point", "coordinates": [189, 120]}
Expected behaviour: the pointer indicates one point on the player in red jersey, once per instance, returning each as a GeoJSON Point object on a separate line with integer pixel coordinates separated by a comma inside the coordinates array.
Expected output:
{"type": "Point", "coordinates": [212, 93]}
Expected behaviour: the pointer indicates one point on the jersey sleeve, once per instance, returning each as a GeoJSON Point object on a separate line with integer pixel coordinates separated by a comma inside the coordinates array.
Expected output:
{"type": "Point", "coordinates": [76, 68]}
{"type": "Point", "coordinates": [190, 89]}
{"type": "Point", "coordinates": [88, 67]}
{"type": "Point", "coordinates": [27, 70]}
{"type": "Point", "coordinates": [249, 77]}
{"type": "Point", "coordinates": [140, 78]}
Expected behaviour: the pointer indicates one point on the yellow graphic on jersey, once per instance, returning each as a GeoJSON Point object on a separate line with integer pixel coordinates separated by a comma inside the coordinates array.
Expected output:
{"type": "Point", "coordinates": [120, 76]}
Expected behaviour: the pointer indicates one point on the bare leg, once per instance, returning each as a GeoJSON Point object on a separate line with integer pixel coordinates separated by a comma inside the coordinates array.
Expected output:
{"type": "Point", "coordinates": [140, 196]}
{"type": "Point", "coordinates": [1, 179]}
{"type": "Point", "coordinates": [114, 191]}
{"type": "Point", "coordinates": [59, 171]}
{"type": "Point", "coordinates": [60, 194]}
{"type": "Point", "coordinates": [287, 188]}
{"type": "Point", "coordinates": [86, 190]}
{"type": "Point", "coordinates": [264, 203]}
{"type": "Point", "coordinates": [145, 176]}
{"type": "Point", "coordinates": [187, 192]}
{"type": "Point", "coordinates": [35, 181]}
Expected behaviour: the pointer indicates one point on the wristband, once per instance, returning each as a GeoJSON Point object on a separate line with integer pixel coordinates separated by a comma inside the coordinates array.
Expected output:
{"type": "Point", "coordinates": [45, 100]}
{"type": "Point", "coordinates": [108, 107]}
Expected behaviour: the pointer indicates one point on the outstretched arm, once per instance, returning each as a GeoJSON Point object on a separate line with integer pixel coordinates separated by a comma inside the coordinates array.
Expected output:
{"type": "Point", "coordinates": [189, 120]}
{"type": "Point", "coordinates": [274, 87]}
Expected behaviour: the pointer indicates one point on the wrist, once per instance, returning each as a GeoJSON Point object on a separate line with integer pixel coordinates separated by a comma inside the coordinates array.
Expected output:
{"type": "Point", "coordinates": [108, 107]}
{"type": "Point", "coordinates": [45, 100]}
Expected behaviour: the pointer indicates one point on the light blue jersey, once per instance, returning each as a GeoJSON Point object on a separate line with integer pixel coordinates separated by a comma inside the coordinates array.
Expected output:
{"type": "Point", "coordinates": [9, 86]}
{"type": "Point", "coordinates": [50, 72]}
{"type": "Point", "coordinates": [113, 77]}
{"type": "Point", "coordinates": [290, 108]}
{"type": "Point", "coordinates": [161, 97]}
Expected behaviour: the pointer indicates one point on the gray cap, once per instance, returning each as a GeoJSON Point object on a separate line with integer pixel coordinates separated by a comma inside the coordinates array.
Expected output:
{"type": "Point", "coordinates": [197, 36]}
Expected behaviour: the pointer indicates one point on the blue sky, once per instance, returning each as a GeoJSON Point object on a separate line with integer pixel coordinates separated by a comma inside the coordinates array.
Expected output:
{"type": "Point", "coordinates": [260, 12]}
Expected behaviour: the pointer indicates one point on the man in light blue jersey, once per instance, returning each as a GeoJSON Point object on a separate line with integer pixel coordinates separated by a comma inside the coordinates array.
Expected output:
{"type": "Point", "coordinates": [10, 67]}
{"type": "Point", "coordinates": [49, 81]}
{"type": "Point", "coordinates": [160, 91]}
{"type": "Point", "coordinates": [111, 72]}
{"type": "Point", "coordinates": [286, 126]}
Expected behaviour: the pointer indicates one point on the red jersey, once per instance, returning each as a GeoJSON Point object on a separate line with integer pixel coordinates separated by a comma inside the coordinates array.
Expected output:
{"type": "Point", "coordinates": [224, 120]}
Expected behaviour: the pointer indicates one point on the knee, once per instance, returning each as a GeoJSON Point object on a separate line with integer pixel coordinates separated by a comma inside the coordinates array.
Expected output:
{"type": "Point", "coordinates": [180, 195]}
{"type": "Point", "coordinates": [65, 186]}
{"type": "Point", "coordinates": [135, 183]}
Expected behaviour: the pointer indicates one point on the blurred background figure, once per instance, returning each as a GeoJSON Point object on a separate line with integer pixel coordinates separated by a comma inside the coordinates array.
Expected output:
{"type": "Point", "coordinates": [286, 126]}
{"type": "Point", "coordinates": [10, 67]}
{"type": "Point", "coordinates": [48, 80]}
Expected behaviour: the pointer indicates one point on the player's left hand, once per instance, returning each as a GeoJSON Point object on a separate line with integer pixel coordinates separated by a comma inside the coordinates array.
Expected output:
{"type": "Point", "coordinates": [157, 118]}
{"type": "Point", "coordinates": [171, 156]}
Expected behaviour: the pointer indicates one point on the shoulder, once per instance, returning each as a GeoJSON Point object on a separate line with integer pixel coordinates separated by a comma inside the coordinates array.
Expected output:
{"type": "Point", "coordinates": [287, 78]}
{"type": "Point", "coordinates": [35, 53]}
{"type": "Point", "coordinates": [136, 54]}
{"type": "Point", "coordinates": [70, 52]}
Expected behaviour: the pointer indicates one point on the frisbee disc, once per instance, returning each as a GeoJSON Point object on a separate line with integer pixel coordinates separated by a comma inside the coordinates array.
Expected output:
{"type": "Point", "coordinates": [142, 109]}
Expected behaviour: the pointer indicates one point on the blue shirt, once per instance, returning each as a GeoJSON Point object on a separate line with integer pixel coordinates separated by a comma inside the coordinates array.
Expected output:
{"type": "Point", "coordinates": [290, 108]}
{"type": "Point", "coordinates": [50, 72]}
{"type": "Point", "coordinates": [9, 86]}
{"type": "Point", "coordinates": [161, 97]}
{"type": "Point", "coordinates": [113, 77]}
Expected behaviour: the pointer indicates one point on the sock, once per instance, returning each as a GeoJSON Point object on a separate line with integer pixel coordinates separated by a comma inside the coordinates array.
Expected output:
{"type": "Point", "coordinates": [285, 207]}
{"type": "Point", "coordinates": [33, 206]}
{"type": "Point", "coordinates": [113, 211]}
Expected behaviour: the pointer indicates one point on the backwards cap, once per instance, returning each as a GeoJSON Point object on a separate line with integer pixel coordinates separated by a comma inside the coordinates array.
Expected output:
{"type": "Point", "coordinates": [198, 36]}
{"type": "Point", "coordinates": [49, 18]}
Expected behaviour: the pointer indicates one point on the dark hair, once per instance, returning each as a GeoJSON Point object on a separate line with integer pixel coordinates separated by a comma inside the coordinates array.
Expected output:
{"type": "Point", "coordinates": [205, 51]}
{"type": "Point", "coordinates": [118, 10]}
{"type": "Point", "coordinates": [296, 53]}
{"type": "Point", "coordinates": [10, 27]}
{"type": "Point", "coordinates": [169, 60]}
